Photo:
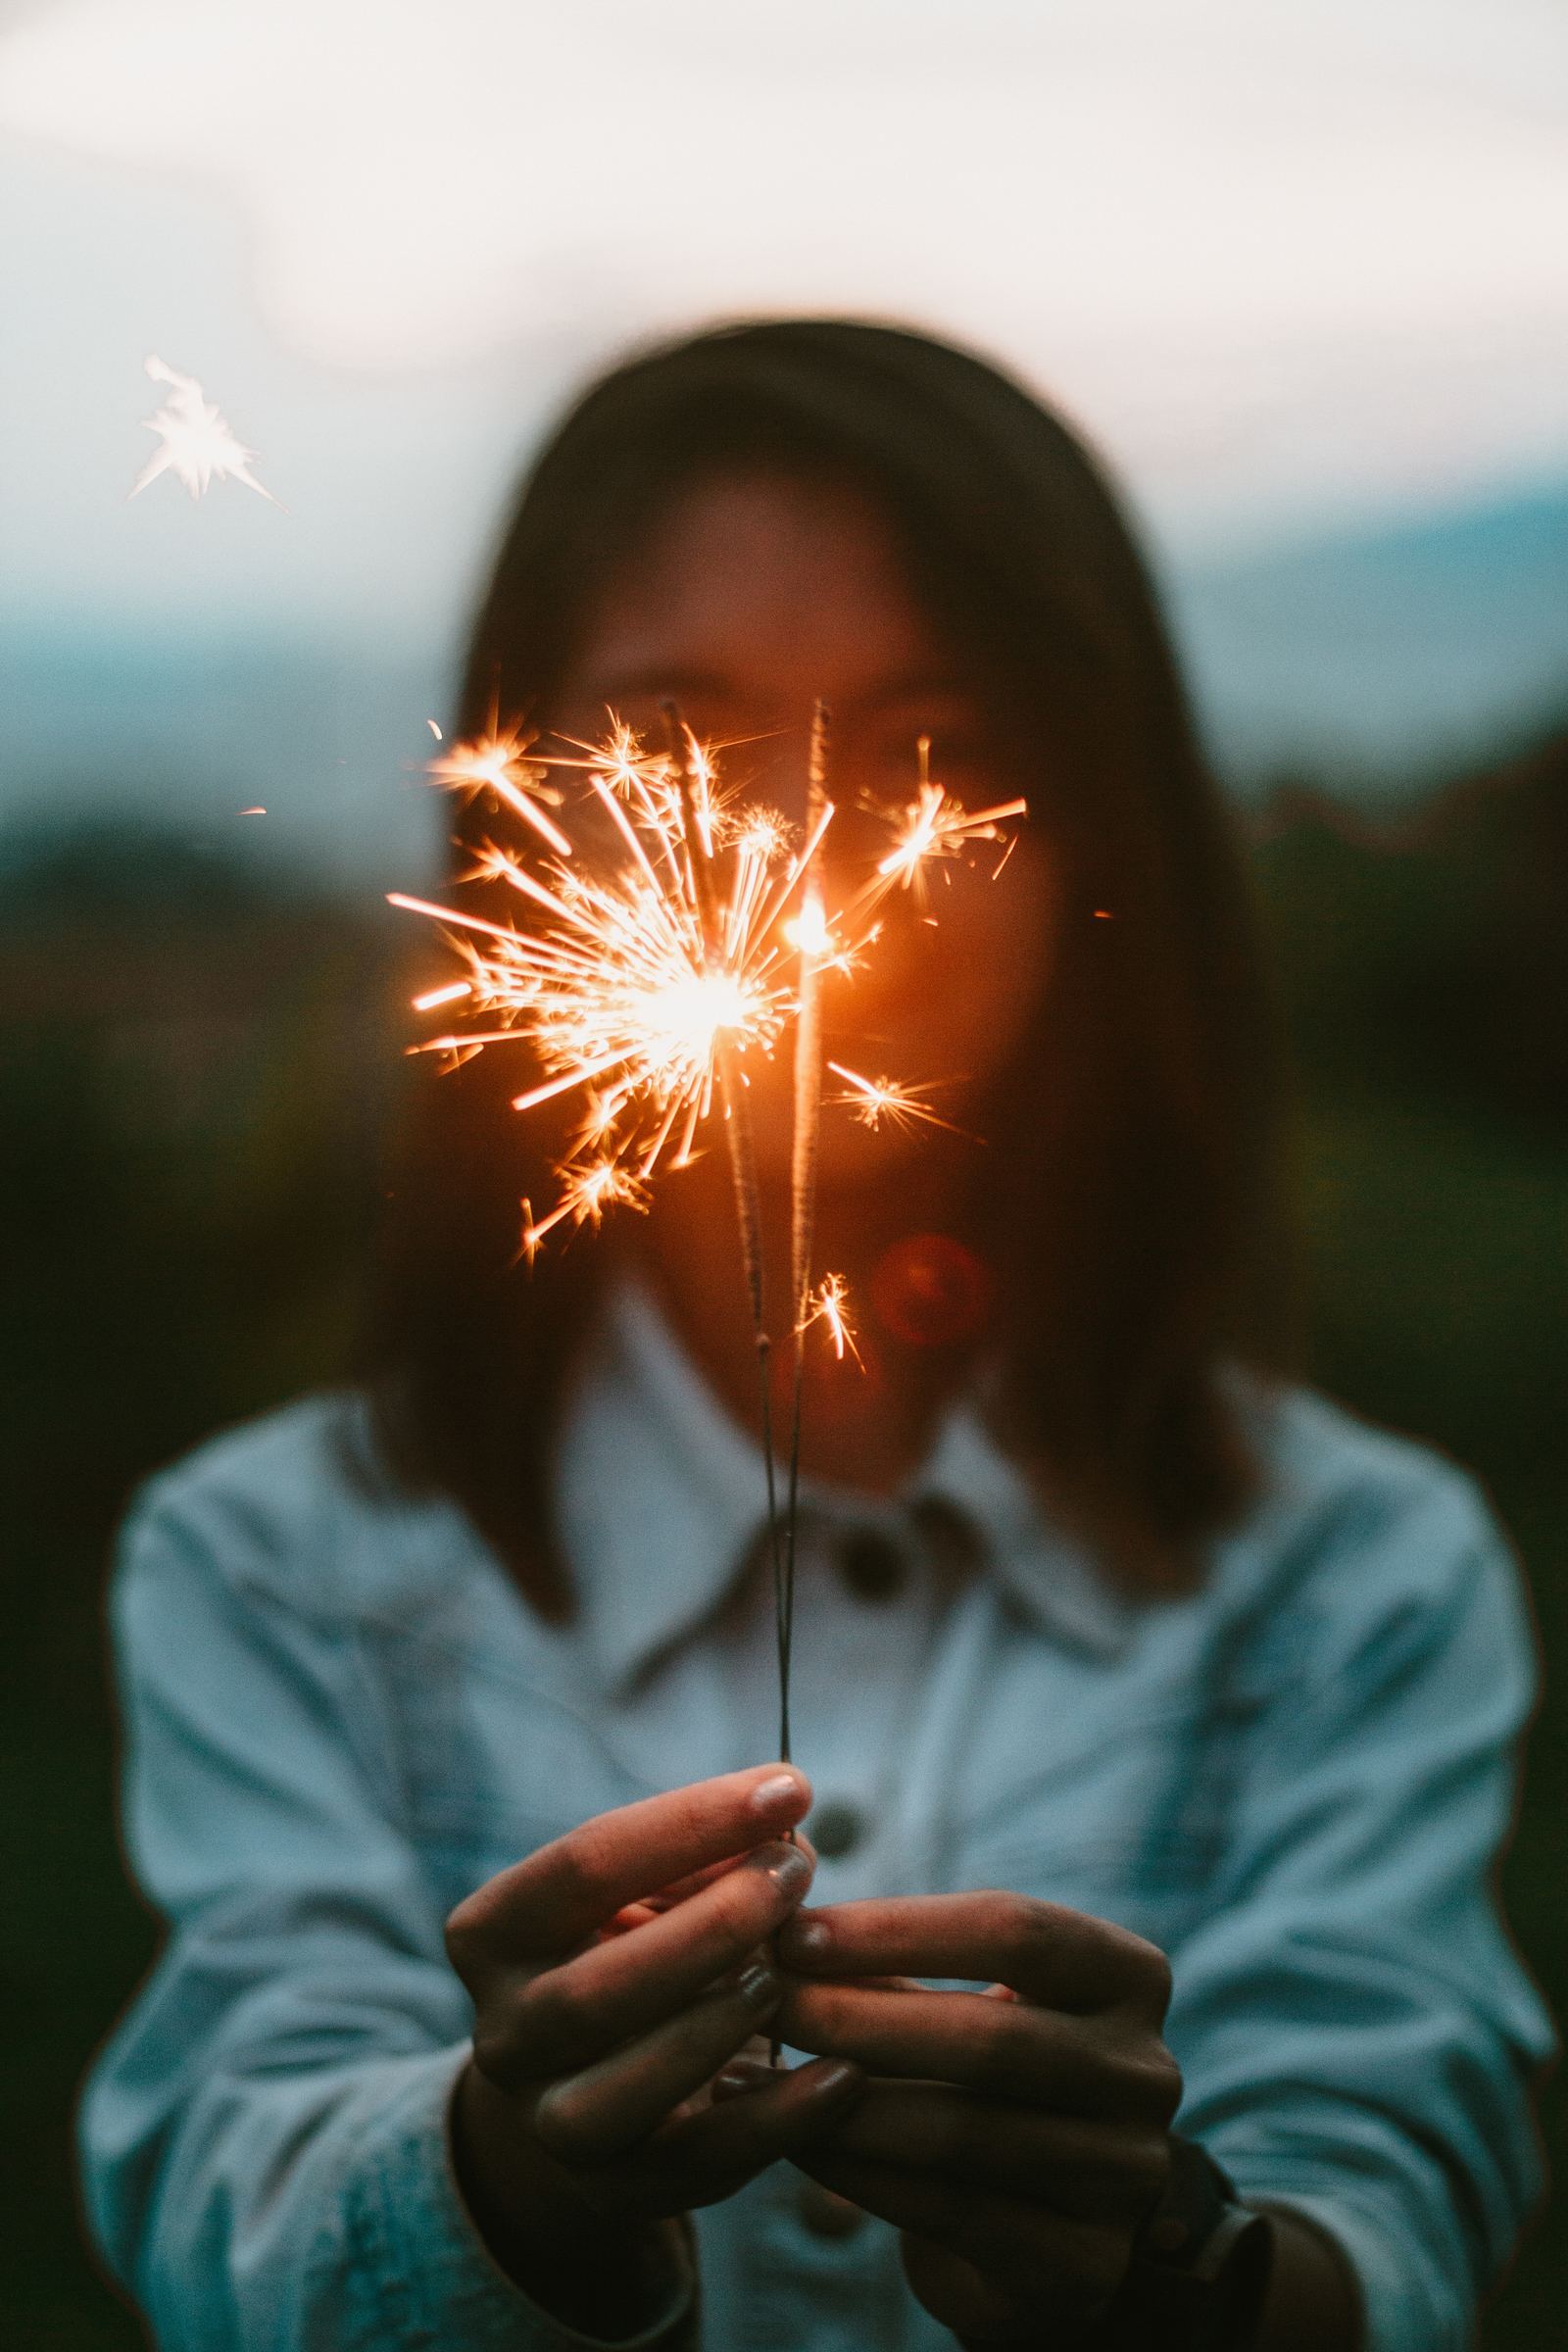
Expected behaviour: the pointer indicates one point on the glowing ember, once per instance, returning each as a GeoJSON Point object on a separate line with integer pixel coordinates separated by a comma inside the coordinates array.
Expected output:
{"type": "Point", "coordinates": [441, 996]}
{"type": "Point", "coordinates": [807, 932]}
{"type": "Point", "coordinates": [828, 1305]}
{"type": "Point", "coordinates": [495, 762]}
{"type": "Point", "coordinates": [196, 444]}
{"type": "Point", "coordinates": [873, 1100]}
{"type": "Point", "coordinates": [936, 825]}
{"type": "Point", "coordinates": [587, 1192]}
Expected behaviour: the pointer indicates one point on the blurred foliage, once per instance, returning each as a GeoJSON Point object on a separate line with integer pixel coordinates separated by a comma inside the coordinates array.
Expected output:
{"type": "Point", "coordinates": [195, 1072]}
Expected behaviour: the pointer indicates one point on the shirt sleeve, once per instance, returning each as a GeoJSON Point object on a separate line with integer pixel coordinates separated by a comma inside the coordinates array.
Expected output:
{"type": "Point", "coordinates": [266, 2138]}
{"type": "Point", "coordinates": [1356, 2031]}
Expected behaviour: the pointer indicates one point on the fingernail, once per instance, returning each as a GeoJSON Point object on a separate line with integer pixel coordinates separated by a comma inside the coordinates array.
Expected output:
{"type": "Point", "coordinates": [736, 2080]}
{"type": "Point", "coordinates": [779, 1791]}
{"type": "Point", "coordinates": [788, 1869]}
{"type": "Point", "coordinates": [758, 1986]}
{"type": "Point", "coordinates": [807, 1936]}
{"type": "Point", "coordinates": [839, 2076]}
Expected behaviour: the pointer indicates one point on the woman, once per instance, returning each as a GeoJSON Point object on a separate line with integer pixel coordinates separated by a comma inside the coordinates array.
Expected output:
{"type": "Point", "coordinates": [1149, 1695]}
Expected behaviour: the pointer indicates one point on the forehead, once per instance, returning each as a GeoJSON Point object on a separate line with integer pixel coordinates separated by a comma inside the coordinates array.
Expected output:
{"type": "Point", "coordinates": [764, 586]}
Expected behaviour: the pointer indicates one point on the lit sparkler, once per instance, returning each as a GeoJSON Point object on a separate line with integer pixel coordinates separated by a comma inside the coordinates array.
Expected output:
{"type": "Point", "coordinates": [640, 977]}
{"type": "Point", "coordinates": [675, 935]}
{"type": "Point", "coordinates": [195, 441]}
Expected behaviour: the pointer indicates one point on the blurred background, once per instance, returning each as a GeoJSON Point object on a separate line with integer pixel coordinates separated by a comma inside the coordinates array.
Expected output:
{"type": "Point", "coordinates": [1298, 271]}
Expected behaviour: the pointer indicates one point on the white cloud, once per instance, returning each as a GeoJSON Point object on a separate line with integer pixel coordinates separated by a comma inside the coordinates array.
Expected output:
{"type": "Point", "coordinates": [1273, 256]}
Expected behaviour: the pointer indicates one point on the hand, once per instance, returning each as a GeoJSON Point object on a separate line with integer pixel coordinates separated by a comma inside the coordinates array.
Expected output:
{"type": "Point", "coordinates": [612, 1974]}
{"type": "Point", "coordinates": [1017, 2137]}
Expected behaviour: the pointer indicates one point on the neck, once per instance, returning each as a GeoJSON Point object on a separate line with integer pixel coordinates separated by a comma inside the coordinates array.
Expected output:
{"type": "Point", "coordinates": [866, 1425]}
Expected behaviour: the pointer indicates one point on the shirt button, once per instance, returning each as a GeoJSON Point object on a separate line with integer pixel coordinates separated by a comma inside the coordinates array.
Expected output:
{"type": "Point", "coordinates": [871, 1565]}
{"type": "Point", "coordinates": [835, 1829]}
{"type": "Point", "coordinates": [826, 2214]}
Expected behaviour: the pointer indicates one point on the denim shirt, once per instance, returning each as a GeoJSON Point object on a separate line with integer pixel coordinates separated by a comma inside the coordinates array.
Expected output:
{"type": "Point", "coordinates": [341, 1717]}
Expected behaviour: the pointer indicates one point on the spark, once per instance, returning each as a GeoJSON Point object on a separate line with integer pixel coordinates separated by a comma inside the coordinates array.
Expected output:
{"type": "Point", "coordinates": [495, 762]}
{"type": "Point", "coordinates": [446, 994]}
{"type": "Point", "coordinates": [636, 973]}
{"type": "Point", "coordinates": [255, 812]}
{"type": "Point", "coordinates": [828, 1305]}
{"type": "Point", "coordinates": [665, 939]}
{"type": "Point", "coordinates": [931, 827]}
{"type": "Point", "coordinates": [874, 1100]}
{"type": "Point", "coordinates": [587, 1192]}
{"type": "Point", "coordinates": [435, 730]}
{"type": "Point", "coordinates": [936, 825]}
{"type": "Point", "coordinates": [195, 441]}
{"type": "Point", "coordinates": [760, 833]}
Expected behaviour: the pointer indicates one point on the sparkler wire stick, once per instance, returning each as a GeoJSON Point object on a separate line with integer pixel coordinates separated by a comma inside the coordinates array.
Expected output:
{"type": "Point", "coordinates": [813, 935]}
{"type": "Point", "coordinates": [738, 1130]}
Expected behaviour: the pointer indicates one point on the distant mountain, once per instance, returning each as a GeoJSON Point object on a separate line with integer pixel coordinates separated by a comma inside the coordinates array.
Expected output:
{"type": "Point", "coordinates": [1376, 657]}
{"type": "Point", "coordinates": [1370, 661]}
{"type": "Point", "coordinates": [188, 729]}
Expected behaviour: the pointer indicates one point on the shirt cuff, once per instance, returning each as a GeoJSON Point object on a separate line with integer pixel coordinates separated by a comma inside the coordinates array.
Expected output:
{"type": "Point", "coordinates": [439, 2282]}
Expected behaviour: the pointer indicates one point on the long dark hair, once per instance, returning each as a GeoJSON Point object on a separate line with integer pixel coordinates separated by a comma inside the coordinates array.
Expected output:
{"type": "Point", "coordinates": [1135, 1190]}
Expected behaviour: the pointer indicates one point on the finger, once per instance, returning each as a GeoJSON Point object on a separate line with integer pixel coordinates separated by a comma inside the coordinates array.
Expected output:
{"type": "Point", "coordinates": [1007, 2048]}
{"type": "Point", "coordinates": [1064, 1959]}
{"type": "Point", "coordinates": [1083, 2168]}
{"type": "Point", "coordinates": [556, 1898]}
{"type": "Point", "coordinates": [604, 2109]}
{"type": "Point", "coordinates": [697, 2159]}
{"type": "Point", "coordinates": [679, 1889]}
{"type": "Point", "coordinates": [1042, 2257]}
{"type": "Point", "coordinates": [569, 2015]}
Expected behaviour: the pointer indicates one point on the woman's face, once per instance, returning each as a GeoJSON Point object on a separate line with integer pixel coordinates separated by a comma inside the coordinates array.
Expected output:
{"type": "Point", "coordinates": [752, 594]}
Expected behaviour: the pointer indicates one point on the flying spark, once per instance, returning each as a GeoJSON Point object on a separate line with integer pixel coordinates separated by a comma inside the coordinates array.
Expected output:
{"type": "Point", "coordinates": [495, 762]}
{"type": "Point", "coordinates": [873, 1100]}
{"type": "Point", "coordinates": [195, 442]}
{"type": "Point", "coordinates": [935, 825]}
{"type": "Point", "coordinates": [829, 1305]}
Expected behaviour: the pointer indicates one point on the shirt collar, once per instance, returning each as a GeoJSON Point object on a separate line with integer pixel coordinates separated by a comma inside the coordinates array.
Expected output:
{"type": "Point", "coordinates": [659, 1502]}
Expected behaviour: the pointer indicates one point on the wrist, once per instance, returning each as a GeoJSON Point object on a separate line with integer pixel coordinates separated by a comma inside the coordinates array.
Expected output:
{"type": "Point", "coordinates": [1199, 2274]}
{"type": "Point", "coordinates": [604, 2275]}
